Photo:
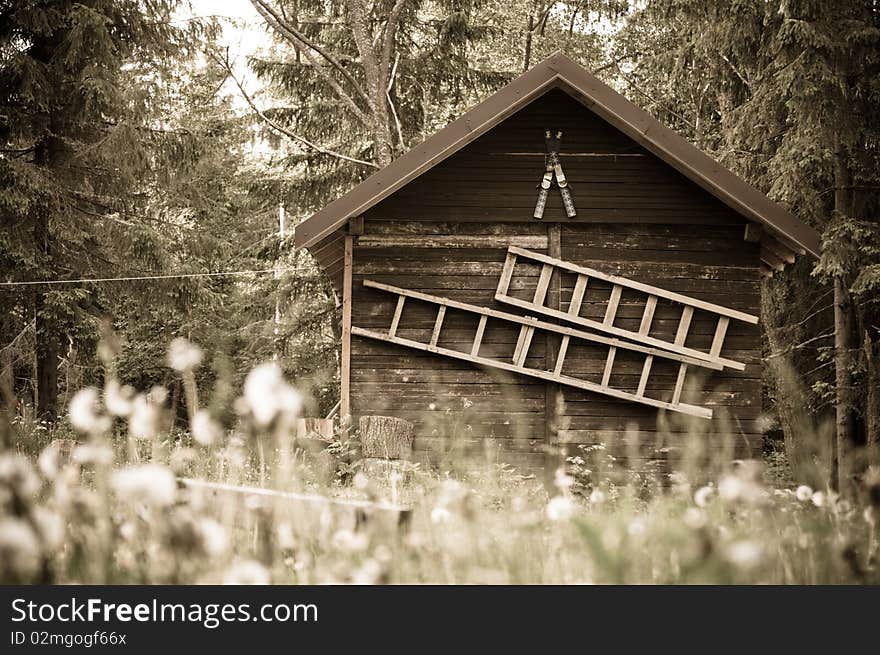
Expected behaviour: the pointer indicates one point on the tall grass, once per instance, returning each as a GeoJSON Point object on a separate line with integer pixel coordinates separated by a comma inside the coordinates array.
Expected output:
{"type": "Point", "coordinates": [97, 499]}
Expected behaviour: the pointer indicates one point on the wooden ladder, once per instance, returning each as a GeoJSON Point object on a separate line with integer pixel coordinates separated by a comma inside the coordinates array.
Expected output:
{"type": "Point", "coordinates": [528, 326]}
{"type": "Point", "coordinates": [606, 325]}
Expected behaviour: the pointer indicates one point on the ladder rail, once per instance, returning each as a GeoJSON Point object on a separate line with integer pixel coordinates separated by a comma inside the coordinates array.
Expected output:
{"type": "Point", "coordinates": [543, 325]}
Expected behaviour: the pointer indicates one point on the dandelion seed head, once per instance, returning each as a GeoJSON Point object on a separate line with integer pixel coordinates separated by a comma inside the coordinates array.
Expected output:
{"type": "Point", "coordinates": [703, 495]}
{"type": "Point", "coordinates": [440, 515]}
{"type": "Point", "coordinates": [50, 527]}
{"type": "Point", "coordinates": [117, 398]}
{"type": "Point", "coordinates": [560, 508]}
{"type": "Point", "coordinates": [85, 413]}
{"type": "Point", "coordinates": [19, 551]}
{"type": "Point", "coordinates": [149, 484]}
{"type": "Point", "coordinates": [214, 538]}
{"type": "Point", "coordinates": [350, 542]}
{"type": "Point", "coordinates": [803, 493]}
{"type": "Point", "coordinates": [183, 355]}
{"type": "Point", "coordinates": [562, 480]}
{"type": "Point", "coordinates": [819, 499]}
{"type": "Point", "coordinates": [143, 423]}
{"type": "Point", "coordinates": [597, 497]}
{"type": "Point", "coordinates": [267, 395]}
{"type": "Point", "coordinates": [368, 573]}
{"type": "Point", "coordinates": [92, 454]}
{"type": "Point", "coordinates": [247, 572]}
{"type": "Point", "coordinates": [18, 477]}
{"type": "Point", "coordinates": [745, 553]}
{"type": "Point", "coordinates": [205, 430]}
{"type": "Point", "coordinates": [695, 518]}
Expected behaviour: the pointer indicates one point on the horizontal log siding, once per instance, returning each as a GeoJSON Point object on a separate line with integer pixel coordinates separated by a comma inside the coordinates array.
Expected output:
{"type": "Point", "coordinates": [450, 401]}
{"type": "Point", "coordinates": [446, 234]}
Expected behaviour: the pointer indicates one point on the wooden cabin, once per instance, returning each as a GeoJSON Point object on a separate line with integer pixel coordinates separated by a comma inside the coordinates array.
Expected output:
{"type": "Point", "coordinates": [639, 314]}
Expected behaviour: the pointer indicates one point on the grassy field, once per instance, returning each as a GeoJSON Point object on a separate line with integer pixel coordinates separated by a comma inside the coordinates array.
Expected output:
{"type": "Point", "coordinates": [97, 499]}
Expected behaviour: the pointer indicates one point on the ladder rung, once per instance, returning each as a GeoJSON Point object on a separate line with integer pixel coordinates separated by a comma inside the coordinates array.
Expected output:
{"type": "Point", "coordinates": [435, 335]}
{"type": "Point", "coordinates": [560, 358]}
{"type": "Point", "coordinates": [609, 364]}
{"type": "Point", "coordinates": [679, 384]}
{"type": "Point", "coordinates": [646, 371]}
{"type": "Point", "coordinates": [478, 339]}
{"type": "Point", "coordinates": [613, 301]}
{"type": "Point", "coordinates": [648, 315]}
{"type": "Point", "coordinates": [506, 273]}
{"type": "Point", "coordinates": [577, 296]}
{"type": "Point", "coordinates": [684, 325]}
{"type": "Point", "coordinates": [522, 344]}
{"type": "Point", "coordinates": [720, 333]}
{"type": "Point", "coordinates": [396, 319]}
{"type": "Point", "coordinates": [543, 284]}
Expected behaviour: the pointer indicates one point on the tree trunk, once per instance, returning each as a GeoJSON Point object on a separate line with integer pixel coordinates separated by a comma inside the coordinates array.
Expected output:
{"type": "Point", "coordinates": [872, 401]}
{"type": "Point", "coordinates": [844, 400]}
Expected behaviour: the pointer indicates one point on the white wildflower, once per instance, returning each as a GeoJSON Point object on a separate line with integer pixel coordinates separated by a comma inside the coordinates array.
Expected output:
{"type": "Point", "coordinates": [694, 518]}
{"type": "Point", "coordinates": [183, 355]}
{"type": "Point", "coordinates": [745, 553]}
{"type": "Point", "coordinates": [818, 499]}
{"type": "Point", "coordinates": [702, 496]}
{"type": "Point", "coordinates": [560, 508]}
{"type": "Point", "coordinates": [440, 515]}
{"type": "Point", "coordinates": [85, 412]}
{"type": "Point", "coordinates": [144, 420]}
{"type": "Point", "coordinates": [150, 484]}
{"type": "Point", "coordinates": [597, 497]}
{"type": "Point", "coordinates": [118, 398]}
{"type": "Point", "coordinates": [248, 572]}
{"type": "Point", "coordinates": [369, 573]}
{"type": "Point", "coordinates": [215, 539]}
{"type": "Point", "coordinates": [88, 454]}
{"type": "Point", "coordinates": [205, 430]}
{"type": "Point", "coordinates": [267, 394]}
{"type": "Point", "coordinates": [19, 550]}
{"type": "Point", "coordinates": [18, 476]}
{"type": "Point", "coordinates": [50, 527]}
{"type": "Point", "coordinates": [803, 493]}
{"type": "Point", "coordinates": [562, 480]}
{"type": "Point", "coordinates": [350, 542]}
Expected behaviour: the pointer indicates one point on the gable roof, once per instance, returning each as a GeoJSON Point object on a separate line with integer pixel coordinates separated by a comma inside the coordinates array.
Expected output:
{"type": "Point", "coordinates": [559, 71]}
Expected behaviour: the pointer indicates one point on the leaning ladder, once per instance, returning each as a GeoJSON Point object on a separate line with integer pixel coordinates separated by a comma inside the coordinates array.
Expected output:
{"type": "Point", "coordinates": [528, 326]}
{"type": "Point", "coordinates": [606, 325]}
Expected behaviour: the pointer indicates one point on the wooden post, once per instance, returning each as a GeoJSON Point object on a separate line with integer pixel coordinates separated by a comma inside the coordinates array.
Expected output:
{"type": "Point", "coordinates": [345, 372]}
{"type": "Point", "coordinates": [553, 346]}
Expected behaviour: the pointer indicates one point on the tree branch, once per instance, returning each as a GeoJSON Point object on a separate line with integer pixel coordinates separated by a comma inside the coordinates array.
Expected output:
{"type": "Point", "coordinates": [299, 40]}
{"type": "Point", "coordinates": [280, 128]}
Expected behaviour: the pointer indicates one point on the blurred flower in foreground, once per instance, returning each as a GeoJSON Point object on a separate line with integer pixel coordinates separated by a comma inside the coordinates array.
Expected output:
{"type": "Point", "coordinates": [268, 394]}
{"type": "Point", "coordinates": [597, 497]}
{"type": "Point", "coordinates": [248, 572]}
{"type": "Point", "coordinates": [183, 355]}
{"type": "Point", "coordinates": [89, 454]}
{"type": "Point", "coordinates": [85, 412]}
{"type": "Point", "coordinates": [440, 515]}
{"type": "Point", "coordinates": [117, 398]}
{"type": "Point", "coordinates": [17, 478]}
{"type": "Point", "coordinates": [144, 420]}
{"type": "Point", "coordinates": [818, 499]}
{"type": "Point", "coordinates": [205, 430]}
{"type": "Point", "coordinates": [746, 554]}
{"type": "Point", "coordinates": [19, 551]}
{"type": "Point", "coordinates": [150, 484]}
{"type": "Point", "coordinates": [560, 508]}
{"type": "Point", "coordinates": [702, 496]}
{"type": "Point", "coordinates": [803, 493]}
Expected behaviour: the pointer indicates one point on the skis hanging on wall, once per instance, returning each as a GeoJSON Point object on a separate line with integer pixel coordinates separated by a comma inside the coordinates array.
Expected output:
{"type": "Point", "coordinates": [553, 168]}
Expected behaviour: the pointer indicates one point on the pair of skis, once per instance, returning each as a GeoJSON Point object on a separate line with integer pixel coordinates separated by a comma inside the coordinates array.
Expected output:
{"type": "Point", "coordinates": [553, 168]}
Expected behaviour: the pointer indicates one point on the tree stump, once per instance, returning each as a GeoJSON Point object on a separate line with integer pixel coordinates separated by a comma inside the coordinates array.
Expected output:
{"type": "Point", "coordinates": [382, 469]}
{"type": "Point", "coordinates": [386, 437]}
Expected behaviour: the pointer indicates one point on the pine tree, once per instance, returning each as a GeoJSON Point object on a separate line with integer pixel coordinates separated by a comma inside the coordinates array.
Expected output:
{"type": "Point", "coordinates": [78, 84]}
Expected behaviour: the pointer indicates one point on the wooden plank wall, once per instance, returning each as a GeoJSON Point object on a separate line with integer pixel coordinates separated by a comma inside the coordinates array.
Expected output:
{"type": "Point", "coordinates": [447, 232]}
